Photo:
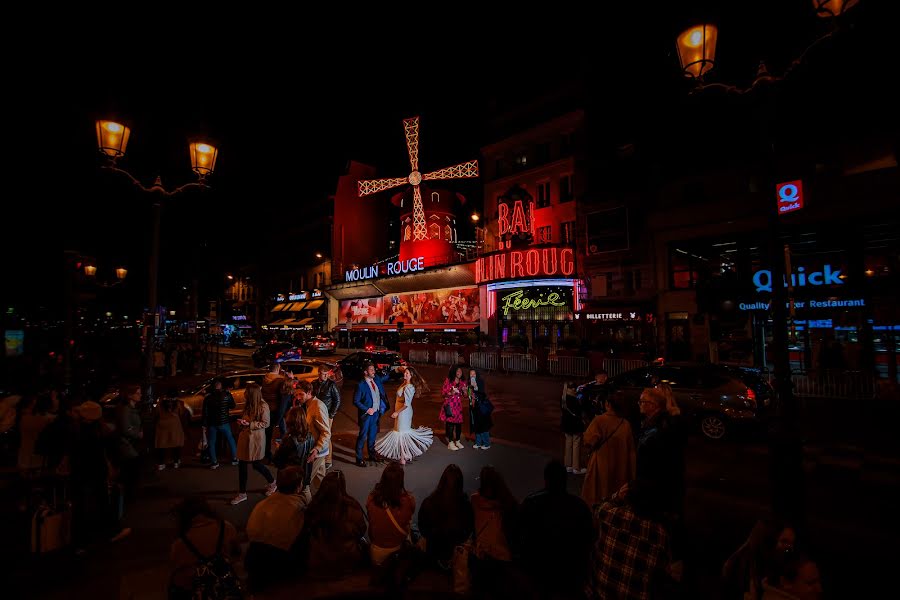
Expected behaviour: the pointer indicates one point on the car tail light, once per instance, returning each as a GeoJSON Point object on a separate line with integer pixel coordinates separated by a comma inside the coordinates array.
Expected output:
{"type": "Point", "coordinates": [279, 354]}
{"type": "Point", "coordinates": [751, 397]}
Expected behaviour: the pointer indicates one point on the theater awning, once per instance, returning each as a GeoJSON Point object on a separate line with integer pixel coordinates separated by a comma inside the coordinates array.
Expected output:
{"type": "Point", "coordinates": [454, 276]}
{"type": "Point", "coordinates": [279, 307]}
{"type": "Point", "coordinates": [315, 304]}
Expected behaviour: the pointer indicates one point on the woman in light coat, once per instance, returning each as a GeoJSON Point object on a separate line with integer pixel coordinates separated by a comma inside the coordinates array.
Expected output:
{"type": "Point", "coordinates": [613, 457]}
{"type": "Point", "coordinates": [170, 422]}
{"type": "Point", "coordinates": [251, 445]}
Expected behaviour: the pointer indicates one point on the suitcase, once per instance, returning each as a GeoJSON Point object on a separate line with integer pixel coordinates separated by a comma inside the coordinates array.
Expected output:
{"type": "Point", "coordinates": [51, 525]}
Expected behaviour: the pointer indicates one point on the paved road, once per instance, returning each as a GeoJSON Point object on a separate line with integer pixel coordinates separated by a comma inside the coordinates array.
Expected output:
{"type": "Point", "coordinates": [852, 492]}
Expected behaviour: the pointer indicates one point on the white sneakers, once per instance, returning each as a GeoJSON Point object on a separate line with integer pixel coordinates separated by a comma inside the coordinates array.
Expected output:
{"type": "Point", "coordinates": [477, 447]}
{"type": "Point", "coordinates": [459, 446]}
{"type": "Point", "coordinates": [271, 488]}
{"type": "Point", "coordinates": [160, 467]}
{"type": "Point", "coordinates": [452, 446]}
{"type": "Point", "coordinates": [238, 499]}
{"type": "Point", "coordinates": [580, 471]}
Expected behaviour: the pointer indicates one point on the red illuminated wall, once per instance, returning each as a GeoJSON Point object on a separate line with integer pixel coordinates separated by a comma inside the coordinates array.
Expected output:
{"type": "Point", "coordinates": [359, 232]}
{"type": "Point", "coordinates": [441, 212]}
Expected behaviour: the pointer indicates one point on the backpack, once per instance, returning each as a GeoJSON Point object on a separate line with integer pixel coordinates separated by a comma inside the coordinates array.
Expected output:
{"type": "Point", "coordinates": [214, 577]}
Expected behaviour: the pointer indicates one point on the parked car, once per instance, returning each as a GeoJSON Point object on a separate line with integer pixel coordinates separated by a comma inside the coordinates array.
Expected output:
{"type": "Point", "coordinates": [352, 365]}
{"type": "Point", "coordinates": [372, 347]}
{"type": "Point", "coordinates": [275, 352]}
{"type": "Point", "coordinates": [318, 345]}
{"type": "Point", "coordinates": [235, 382]}
{"type": "Point", "coordinates": [718, 400]}
{"type": "Point", "coordinates": [309, 368]}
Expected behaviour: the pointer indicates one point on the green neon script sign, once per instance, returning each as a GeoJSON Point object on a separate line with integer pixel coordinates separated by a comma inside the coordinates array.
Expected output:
{"type": "Point", "coordinates": [519, 301]}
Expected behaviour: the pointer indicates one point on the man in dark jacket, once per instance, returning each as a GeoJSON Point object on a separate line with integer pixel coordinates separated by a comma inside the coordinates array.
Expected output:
{"type": "Point", "coordinates": [330, 396]}
{"type": "Point", "coordinates": [217, 419]}
{"type": "Point", "coordinates": [556, 536]}
{"type": "Point", "coordinates": [658, 449]}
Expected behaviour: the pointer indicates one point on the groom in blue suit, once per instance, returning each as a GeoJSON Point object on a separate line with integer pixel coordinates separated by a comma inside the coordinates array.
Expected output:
{"type": "Point", "coordinates": [371, 401]}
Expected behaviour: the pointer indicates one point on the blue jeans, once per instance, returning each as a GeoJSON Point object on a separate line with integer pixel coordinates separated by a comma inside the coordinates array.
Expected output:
{"type": "Point", "coordinates": [483, 439]}
{"type": "Point", "coordinates": [212, 432]}
{"type": "Point", "coordinates": [368, 429]}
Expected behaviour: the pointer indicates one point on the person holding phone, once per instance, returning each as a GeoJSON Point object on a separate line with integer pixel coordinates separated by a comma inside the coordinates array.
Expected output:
{"type": "Point", "coordinates": [453, 391]}
{"type": "Point", "coordinates": [252, 440]}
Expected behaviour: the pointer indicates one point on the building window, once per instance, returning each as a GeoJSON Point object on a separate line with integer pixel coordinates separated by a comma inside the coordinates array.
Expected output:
{"type": "Point", "coordinates": [448, 233]}
{"type": "Point", "coordinates": [543, 153]}
{"type": "Point", "coordinates": [568, 232]}
{"type": "Point", "coordinates": [521, 160]}
{"type": "Point", "coordinates": [545, 234]}
{"type": "Point", "coordinates": [684, 274]}
{"type": "Point", "coordinates": [434, 231]}
{"type": "Point", "coordinates": [543, 194]}
{"type": "Point", "coordinates": [566, 188]}
{"type": "Point", "coordinates": [407, 233]}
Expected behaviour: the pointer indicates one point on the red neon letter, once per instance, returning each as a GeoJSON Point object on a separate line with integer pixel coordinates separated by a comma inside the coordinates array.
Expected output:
{"type": "Point", "coordinates": [533, 262]}
{"type": "Point", "coordinates": [518, 218]}
{"type": "Point", "coordinates": [515, 260]}
{"type": "Point", "coordinates": [567, 261]}
{"type": "Point", "coordinates": [502, 219]}
{"type": "Point", "coordinates": [549, 260]}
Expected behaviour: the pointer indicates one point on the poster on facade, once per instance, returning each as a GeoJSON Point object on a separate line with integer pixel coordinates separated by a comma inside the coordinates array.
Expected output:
{"type": "Point", "coordinates": [362, 311]}
{"type": "Point", "coordinates": [439, 306]}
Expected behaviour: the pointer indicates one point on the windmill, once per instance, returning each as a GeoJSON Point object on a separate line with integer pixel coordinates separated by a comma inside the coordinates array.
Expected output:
{"type": "Point", "coordinates": [464, 170]}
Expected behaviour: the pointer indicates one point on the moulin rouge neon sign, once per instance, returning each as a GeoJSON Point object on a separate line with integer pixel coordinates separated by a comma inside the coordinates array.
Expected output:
{"type": "Point", "coordinates": [546, 261]}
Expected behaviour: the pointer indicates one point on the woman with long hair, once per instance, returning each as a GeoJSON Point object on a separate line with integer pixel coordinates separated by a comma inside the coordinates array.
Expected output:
{"type": "Point", "coordinates": [445, 518]}
{"type": "Point", "coordinates": [296, 447]}
{"type": "Point", "coordinates": [170, 421]}
{"type": "Point", "coordinates": [480, 409]}
{"type": "Point", "coordinates": [252, 441]}
{"type": "Point", "coordinates": [612, 460]}
{"type": "Point", "coordinates": [390, 509]}
{"type": "Point", "coordinates": [404, 443]}
{"type": "Point", "coordinates": [333, 530]}
{"type": "Point", "coordinates": [453, 391]}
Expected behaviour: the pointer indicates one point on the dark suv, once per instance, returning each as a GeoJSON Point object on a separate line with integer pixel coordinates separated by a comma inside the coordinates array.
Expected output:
{"type": "Point", "coordinates": [715, 397]}
{"type": "Point", "coordinates": [352, 365]}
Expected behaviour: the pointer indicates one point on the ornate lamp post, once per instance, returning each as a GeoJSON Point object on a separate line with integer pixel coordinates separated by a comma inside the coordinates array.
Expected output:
{"type": "Point", "coordinates": [112, 142]}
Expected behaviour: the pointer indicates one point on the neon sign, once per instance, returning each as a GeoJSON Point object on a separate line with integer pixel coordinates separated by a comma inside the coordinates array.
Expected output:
{"type": "Point", "coordinates": [547, 261]}
{"type": "Point", "coordinates": [849, 303]}
{"type": "Point", "coordinates": [517, 223]}
{"type": "Point", "coordinates": [364, 273]}
{"type": "Point", "coordinates": [790, 196]}
{"type": "Point", "coordinates": [519, 301]}
{"type": "Point", "coordinates": [295, 297]}
{"type": "Point", "coordinates": [398, 267]}
{"type": "Point", "coordinates": [762, 279]}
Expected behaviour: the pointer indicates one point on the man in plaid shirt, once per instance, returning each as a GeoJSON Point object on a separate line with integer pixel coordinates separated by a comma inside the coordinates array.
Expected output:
{"type": "Point", "coordinates": [631, 554]}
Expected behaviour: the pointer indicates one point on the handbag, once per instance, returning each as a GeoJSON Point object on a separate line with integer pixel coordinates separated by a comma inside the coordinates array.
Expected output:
{"type": "Point", "coordinates": [448, 412]}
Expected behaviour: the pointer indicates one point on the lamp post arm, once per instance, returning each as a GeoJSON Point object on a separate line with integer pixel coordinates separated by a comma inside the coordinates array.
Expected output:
{"type": "Point", "coordinates": [157, 186]}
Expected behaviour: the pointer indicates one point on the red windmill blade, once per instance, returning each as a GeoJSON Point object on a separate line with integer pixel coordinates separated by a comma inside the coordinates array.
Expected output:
{"type": "Point", "coordinates": [464, 170]}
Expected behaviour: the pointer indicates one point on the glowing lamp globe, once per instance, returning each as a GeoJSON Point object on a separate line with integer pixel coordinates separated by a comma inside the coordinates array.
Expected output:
{"type": "Point", "coordinates": [112, 138]}
{"type": "Point", "coordinates": [203, 158]}
{"type": "Point", "coordinates": [90, 270]}
{"type": "Point", "coordinates": [121, 273]}
{"type": "Point", "coordinates": [697, 50]}
{"type": "Point", "coordinates": [833, 8]}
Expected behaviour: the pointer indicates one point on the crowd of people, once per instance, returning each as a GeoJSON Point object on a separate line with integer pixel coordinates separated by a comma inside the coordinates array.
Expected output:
{"type": "Point", "coordinates": [622, 537]}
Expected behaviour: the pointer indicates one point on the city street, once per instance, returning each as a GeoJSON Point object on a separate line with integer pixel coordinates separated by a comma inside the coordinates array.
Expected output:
{"type": "Point", "coordinates": [850, 491]}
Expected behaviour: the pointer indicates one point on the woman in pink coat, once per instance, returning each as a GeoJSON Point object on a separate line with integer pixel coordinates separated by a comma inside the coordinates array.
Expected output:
{"type": "Point", "coordinates": [454, 391]}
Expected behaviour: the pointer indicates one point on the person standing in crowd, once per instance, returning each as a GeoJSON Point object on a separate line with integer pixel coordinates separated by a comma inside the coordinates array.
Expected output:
{"type": "Point", "coordinates": [404, 443]}
{"type": "Point", "coordinates": [286, 396]}
{"type": "Point", "coordinates": [554, 518]}
{"type": "Point", "coordinates": [631, 552]}
{"type": "Point", "coordinates": [254, 422]}
{"type": "Point", "coordinates": [371, 402]}
{"type": "Point", "coordinates": [273, 529]}
{"type": "Point", "coordinates": [170, 422]}
{"type": "Point", "coordinates": [572, 425]}
{"type": "Point", "coordinates": [592, 395]}
{"type": "Point", "coordinates": [794, 576]}
{"type": "Point", "coordinates": [446, 519]}
{"type": "Point", "coordinates": [35, 418]}
{"type": "Point", "coordinates": [271, 392]}
{"type": "Point", "coordinates": [93, 518]}
{"type": "Point", "coordinates": [296, 448]}
{"type": "Point", "coordinates": [679, 427]}
{"type": "Point", "coordinates": [130, 432]}
{"type": "Point", "coordinates": [216, 418]}
{"type": "Point", "coordinates": [453, 391]}
{"type": "Point", "coordinates": [480, 409]}
{"type": "Point", "coordinates": [390, 508]}
{"type": "Point", "coordinates": [319, 426]}
{"type": "Point", "coordinates": [610, 443]}
{"type": "Point", "coordinates": [328, 392]}
{"type": "Point", "coordinates": [209, 534]}
{"type": "Point", "coordinates": [331, 541]}
{"type": "Point", "coordinates": [496, 527]}
{"type": "Point", "coordinates": [657, 451]}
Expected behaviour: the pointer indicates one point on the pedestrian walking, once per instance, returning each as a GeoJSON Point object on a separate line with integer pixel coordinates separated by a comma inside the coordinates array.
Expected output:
{"type": "Point", "coordinates": [170, 421]}
{"type": "Point", "coordinates": [216, 419]}
{"type": "Point", "coordinates": [253, 422]}
{"type": "Point", "coordinates": [319, 426]}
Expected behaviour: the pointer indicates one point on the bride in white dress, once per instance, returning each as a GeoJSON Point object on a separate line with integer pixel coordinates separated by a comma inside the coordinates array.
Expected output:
{"type": "Point", "coordinates": [404, 443]}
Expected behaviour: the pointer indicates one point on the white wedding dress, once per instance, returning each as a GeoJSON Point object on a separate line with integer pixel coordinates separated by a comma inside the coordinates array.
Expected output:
{"type": "Point", "coordinates": [404, 442]}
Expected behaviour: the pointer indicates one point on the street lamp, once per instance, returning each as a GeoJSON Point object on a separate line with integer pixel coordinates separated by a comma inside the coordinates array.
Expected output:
{"type": "Point", "coordinates": [696, 51]}
{"type": "Point", "coordinates": [475, 217]}
{"type": "Point", "coordinates": [112, 142]}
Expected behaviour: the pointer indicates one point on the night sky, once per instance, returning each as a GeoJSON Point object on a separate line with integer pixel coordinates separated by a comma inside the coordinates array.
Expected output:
{"type": "Point", "coordinates": [290, 100]}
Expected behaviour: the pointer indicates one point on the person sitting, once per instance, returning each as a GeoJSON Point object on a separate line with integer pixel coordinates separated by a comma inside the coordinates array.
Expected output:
{"type": "Point", "coordinates": [744, 571]}
{"type": "Point", "coordinates": [446, 519]}
{"type": "Point", "coordinates": [200, 531]}
{"type": "Point", "coordinates": [794, 576]}
{"type": "Point", "coordinates": [496, 518]}
{"type": "Point", "coordinates": [331, 543]}
{"type": "Point", "coordinates": [390, 509]}
{"type": "Point", "coordinates": [554, 518]}
{"type": "Point", "coordinates": [273, 529]}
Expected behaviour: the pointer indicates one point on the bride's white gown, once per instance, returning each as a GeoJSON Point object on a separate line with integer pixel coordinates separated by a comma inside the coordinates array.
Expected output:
{"type": "Point", "coordinates": [404, 441]}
